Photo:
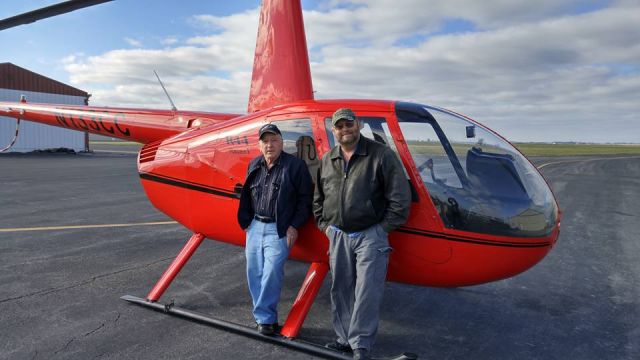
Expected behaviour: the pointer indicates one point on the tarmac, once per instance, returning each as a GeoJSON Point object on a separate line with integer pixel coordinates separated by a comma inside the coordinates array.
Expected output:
{"type": "Point", "coordinates": [77, 233]}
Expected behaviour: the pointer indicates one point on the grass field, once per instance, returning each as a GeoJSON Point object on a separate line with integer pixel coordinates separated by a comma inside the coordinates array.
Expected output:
{"type": "Point", "coordinates": [114, 143]}
{"type": "Point", "coordinates": [529, 149]}
{"type": "Point", "coordinates": [536, 149]}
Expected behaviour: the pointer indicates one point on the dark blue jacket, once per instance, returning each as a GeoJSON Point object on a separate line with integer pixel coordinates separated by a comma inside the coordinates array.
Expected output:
{"type": "Point", "coordinates": [293, 205]}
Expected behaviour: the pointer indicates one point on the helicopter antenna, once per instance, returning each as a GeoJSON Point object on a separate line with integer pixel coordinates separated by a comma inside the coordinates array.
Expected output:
{"type": "Point", "coordinates": [173, 106]}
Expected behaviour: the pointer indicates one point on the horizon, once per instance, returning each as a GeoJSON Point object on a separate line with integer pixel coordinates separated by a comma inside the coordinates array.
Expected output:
{"type": "Point", "coordinates": [547, 72]}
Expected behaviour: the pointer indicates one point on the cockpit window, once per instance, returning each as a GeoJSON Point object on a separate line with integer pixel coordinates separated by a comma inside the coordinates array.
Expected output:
{"type": "Point", "coordinates": [477, 181]}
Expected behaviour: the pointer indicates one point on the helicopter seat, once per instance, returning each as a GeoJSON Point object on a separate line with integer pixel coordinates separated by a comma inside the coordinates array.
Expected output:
{"type": "Point", "coordinates": [308, 153]}
{"type": "Point", "coordinates": [494, 174]}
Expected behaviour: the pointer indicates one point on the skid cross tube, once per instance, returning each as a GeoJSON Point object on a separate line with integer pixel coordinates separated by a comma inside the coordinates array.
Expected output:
{"type": "Point", "coordinates": [307, 294]}
{"type": "Point", "coordinates": [175, 267]}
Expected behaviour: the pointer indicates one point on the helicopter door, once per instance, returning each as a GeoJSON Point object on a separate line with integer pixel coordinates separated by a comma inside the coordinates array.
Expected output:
{"type": "Point", "coordinates": [377, 129]}
{"type": "Point", "coordinates": [477, 181]}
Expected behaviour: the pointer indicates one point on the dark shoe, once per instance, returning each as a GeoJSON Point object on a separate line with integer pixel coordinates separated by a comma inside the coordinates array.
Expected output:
{"type": "Point", "coordinates": [336, 346]}
{"type": "Point", "coordinates": [361, 354]}
{"type": "Point", "coordinates": [266, 329]}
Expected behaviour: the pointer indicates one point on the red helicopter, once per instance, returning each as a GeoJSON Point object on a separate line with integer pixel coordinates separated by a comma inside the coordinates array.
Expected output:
{"type": "Point", "coordinates": [481, 211]}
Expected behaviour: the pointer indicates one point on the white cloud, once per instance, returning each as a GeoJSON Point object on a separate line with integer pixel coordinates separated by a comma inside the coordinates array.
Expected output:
{"type": "Point", "coordinates": [133, 42]}
{"type": "Point", "coordinates": [171, 40]}
{"type": "Point", "coordinates": [531, 70]}
{"type": "Point", "coordinates": [209, 73]}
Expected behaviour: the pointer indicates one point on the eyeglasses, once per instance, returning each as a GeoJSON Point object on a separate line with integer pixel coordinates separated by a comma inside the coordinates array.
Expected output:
{"type": "Point", "coordinates": [345, 124]}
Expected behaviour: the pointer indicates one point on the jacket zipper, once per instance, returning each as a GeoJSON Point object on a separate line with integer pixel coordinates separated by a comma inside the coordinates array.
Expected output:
{"type": "Point", "coordinates": [344, 183]}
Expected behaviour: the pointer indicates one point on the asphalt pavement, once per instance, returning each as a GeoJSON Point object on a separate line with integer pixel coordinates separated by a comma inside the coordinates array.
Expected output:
{"type": "Point", "coordinates": [60, 287]}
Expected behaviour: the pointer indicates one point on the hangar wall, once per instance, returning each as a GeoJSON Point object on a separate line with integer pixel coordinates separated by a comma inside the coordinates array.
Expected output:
{"type": "Point", "coordinates": [34, 136]}
{"type": "Point", "coordinates": [16, 81]}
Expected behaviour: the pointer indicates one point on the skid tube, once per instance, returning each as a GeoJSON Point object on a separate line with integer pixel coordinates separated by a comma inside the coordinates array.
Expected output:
{"type": "Point", "coordinates": [300, 345]}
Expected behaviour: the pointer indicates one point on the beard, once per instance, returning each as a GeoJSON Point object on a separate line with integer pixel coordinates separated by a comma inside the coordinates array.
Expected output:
{"type": "Point", "coordinates": [349, 139]}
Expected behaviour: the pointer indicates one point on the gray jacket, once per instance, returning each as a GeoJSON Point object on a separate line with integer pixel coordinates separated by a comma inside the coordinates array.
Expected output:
{"type": "Point", "coordinates": [373, 190]}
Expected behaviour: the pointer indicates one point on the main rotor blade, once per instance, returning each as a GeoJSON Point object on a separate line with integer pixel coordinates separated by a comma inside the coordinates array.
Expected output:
{"type": "Point", "coordinates": [46, 12]}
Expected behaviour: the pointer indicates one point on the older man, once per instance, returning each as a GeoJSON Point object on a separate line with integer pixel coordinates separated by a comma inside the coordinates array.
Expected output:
{"type": "Point", "coordinates": [274, 203]}
{"type": "Point", "coordinates": [361, 195]}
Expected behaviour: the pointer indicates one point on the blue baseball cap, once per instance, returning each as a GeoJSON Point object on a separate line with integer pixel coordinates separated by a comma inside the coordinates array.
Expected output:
{"type": "Point", "coordinates": [269, 128]}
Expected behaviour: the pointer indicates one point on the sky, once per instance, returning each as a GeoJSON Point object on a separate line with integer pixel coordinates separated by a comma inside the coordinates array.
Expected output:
{"type": "Point", "coordinates": [538, 71]}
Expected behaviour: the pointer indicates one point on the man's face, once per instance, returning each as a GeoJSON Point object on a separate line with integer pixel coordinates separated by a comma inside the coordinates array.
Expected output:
{"type": "Point", "coordinates": [270, 146]}
{"type": "Point", "coordinates": [346, 132]}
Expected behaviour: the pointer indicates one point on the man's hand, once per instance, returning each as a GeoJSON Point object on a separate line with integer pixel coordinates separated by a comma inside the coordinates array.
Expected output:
{"type": "Point", "coordinates": [292, 236]}
{"type": "Point", "coordinates": [326, 231]}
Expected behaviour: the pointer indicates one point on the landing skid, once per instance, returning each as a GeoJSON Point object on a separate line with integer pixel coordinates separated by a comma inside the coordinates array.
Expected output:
{"type": "Point", "coordinates": [289, 331]}
{"type": "Point", "coordinates": [297, 344]}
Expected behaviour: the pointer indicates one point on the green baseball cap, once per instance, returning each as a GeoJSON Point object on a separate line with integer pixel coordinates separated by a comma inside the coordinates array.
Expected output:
{"type": "Point", "coordinates": [343, 114]}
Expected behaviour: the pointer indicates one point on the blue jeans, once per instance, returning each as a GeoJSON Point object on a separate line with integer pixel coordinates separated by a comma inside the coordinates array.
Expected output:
{"type": "Point", "coordinates": [266, 254]}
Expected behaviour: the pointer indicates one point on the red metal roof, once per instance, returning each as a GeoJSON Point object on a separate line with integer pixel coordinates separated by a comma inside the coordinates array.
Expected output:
{"type": "Point", "coordinates": [16, 78]}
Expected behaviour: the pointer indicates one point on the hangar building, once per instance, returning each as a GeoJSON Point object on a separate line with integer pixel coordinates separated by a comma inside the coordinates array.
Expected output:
{"type": "Point", "coordinates": [16, 81]}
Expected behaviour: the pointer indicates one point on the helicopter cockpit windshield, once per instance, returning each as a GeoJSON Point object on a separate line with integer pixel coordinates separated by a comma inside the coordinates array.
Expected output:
{"type": "Point", "coordinates": [477, 181]}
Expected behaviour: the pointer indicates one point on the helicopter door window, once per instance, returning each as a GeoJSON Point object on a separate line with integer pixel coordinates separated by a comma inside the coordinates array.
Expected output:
{"type": "Point", "coordinates": [429, 155]}
{"type": "Point", "coordinates": [297, 136]}
{"type": "Point", "coordinates": [377, 129]}
{"type": "Point", "coordinates": [368, 132]}
{"type": "Point", "coordinates": [372, 127]}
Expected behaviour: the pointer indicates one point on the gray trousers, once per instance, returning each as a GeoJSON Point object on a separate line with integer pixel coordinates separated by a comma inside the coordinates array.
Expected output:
{"type": "Point", "coordinates": [358, 264]}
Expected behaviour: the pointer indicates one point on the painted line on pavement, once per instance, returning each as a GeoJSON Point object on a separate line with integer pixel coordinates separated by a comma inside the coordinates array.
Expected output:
{"type": "Point", "coordinates": [68, 227]}
{"type": "Point", "coordinates": [575, 160]}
